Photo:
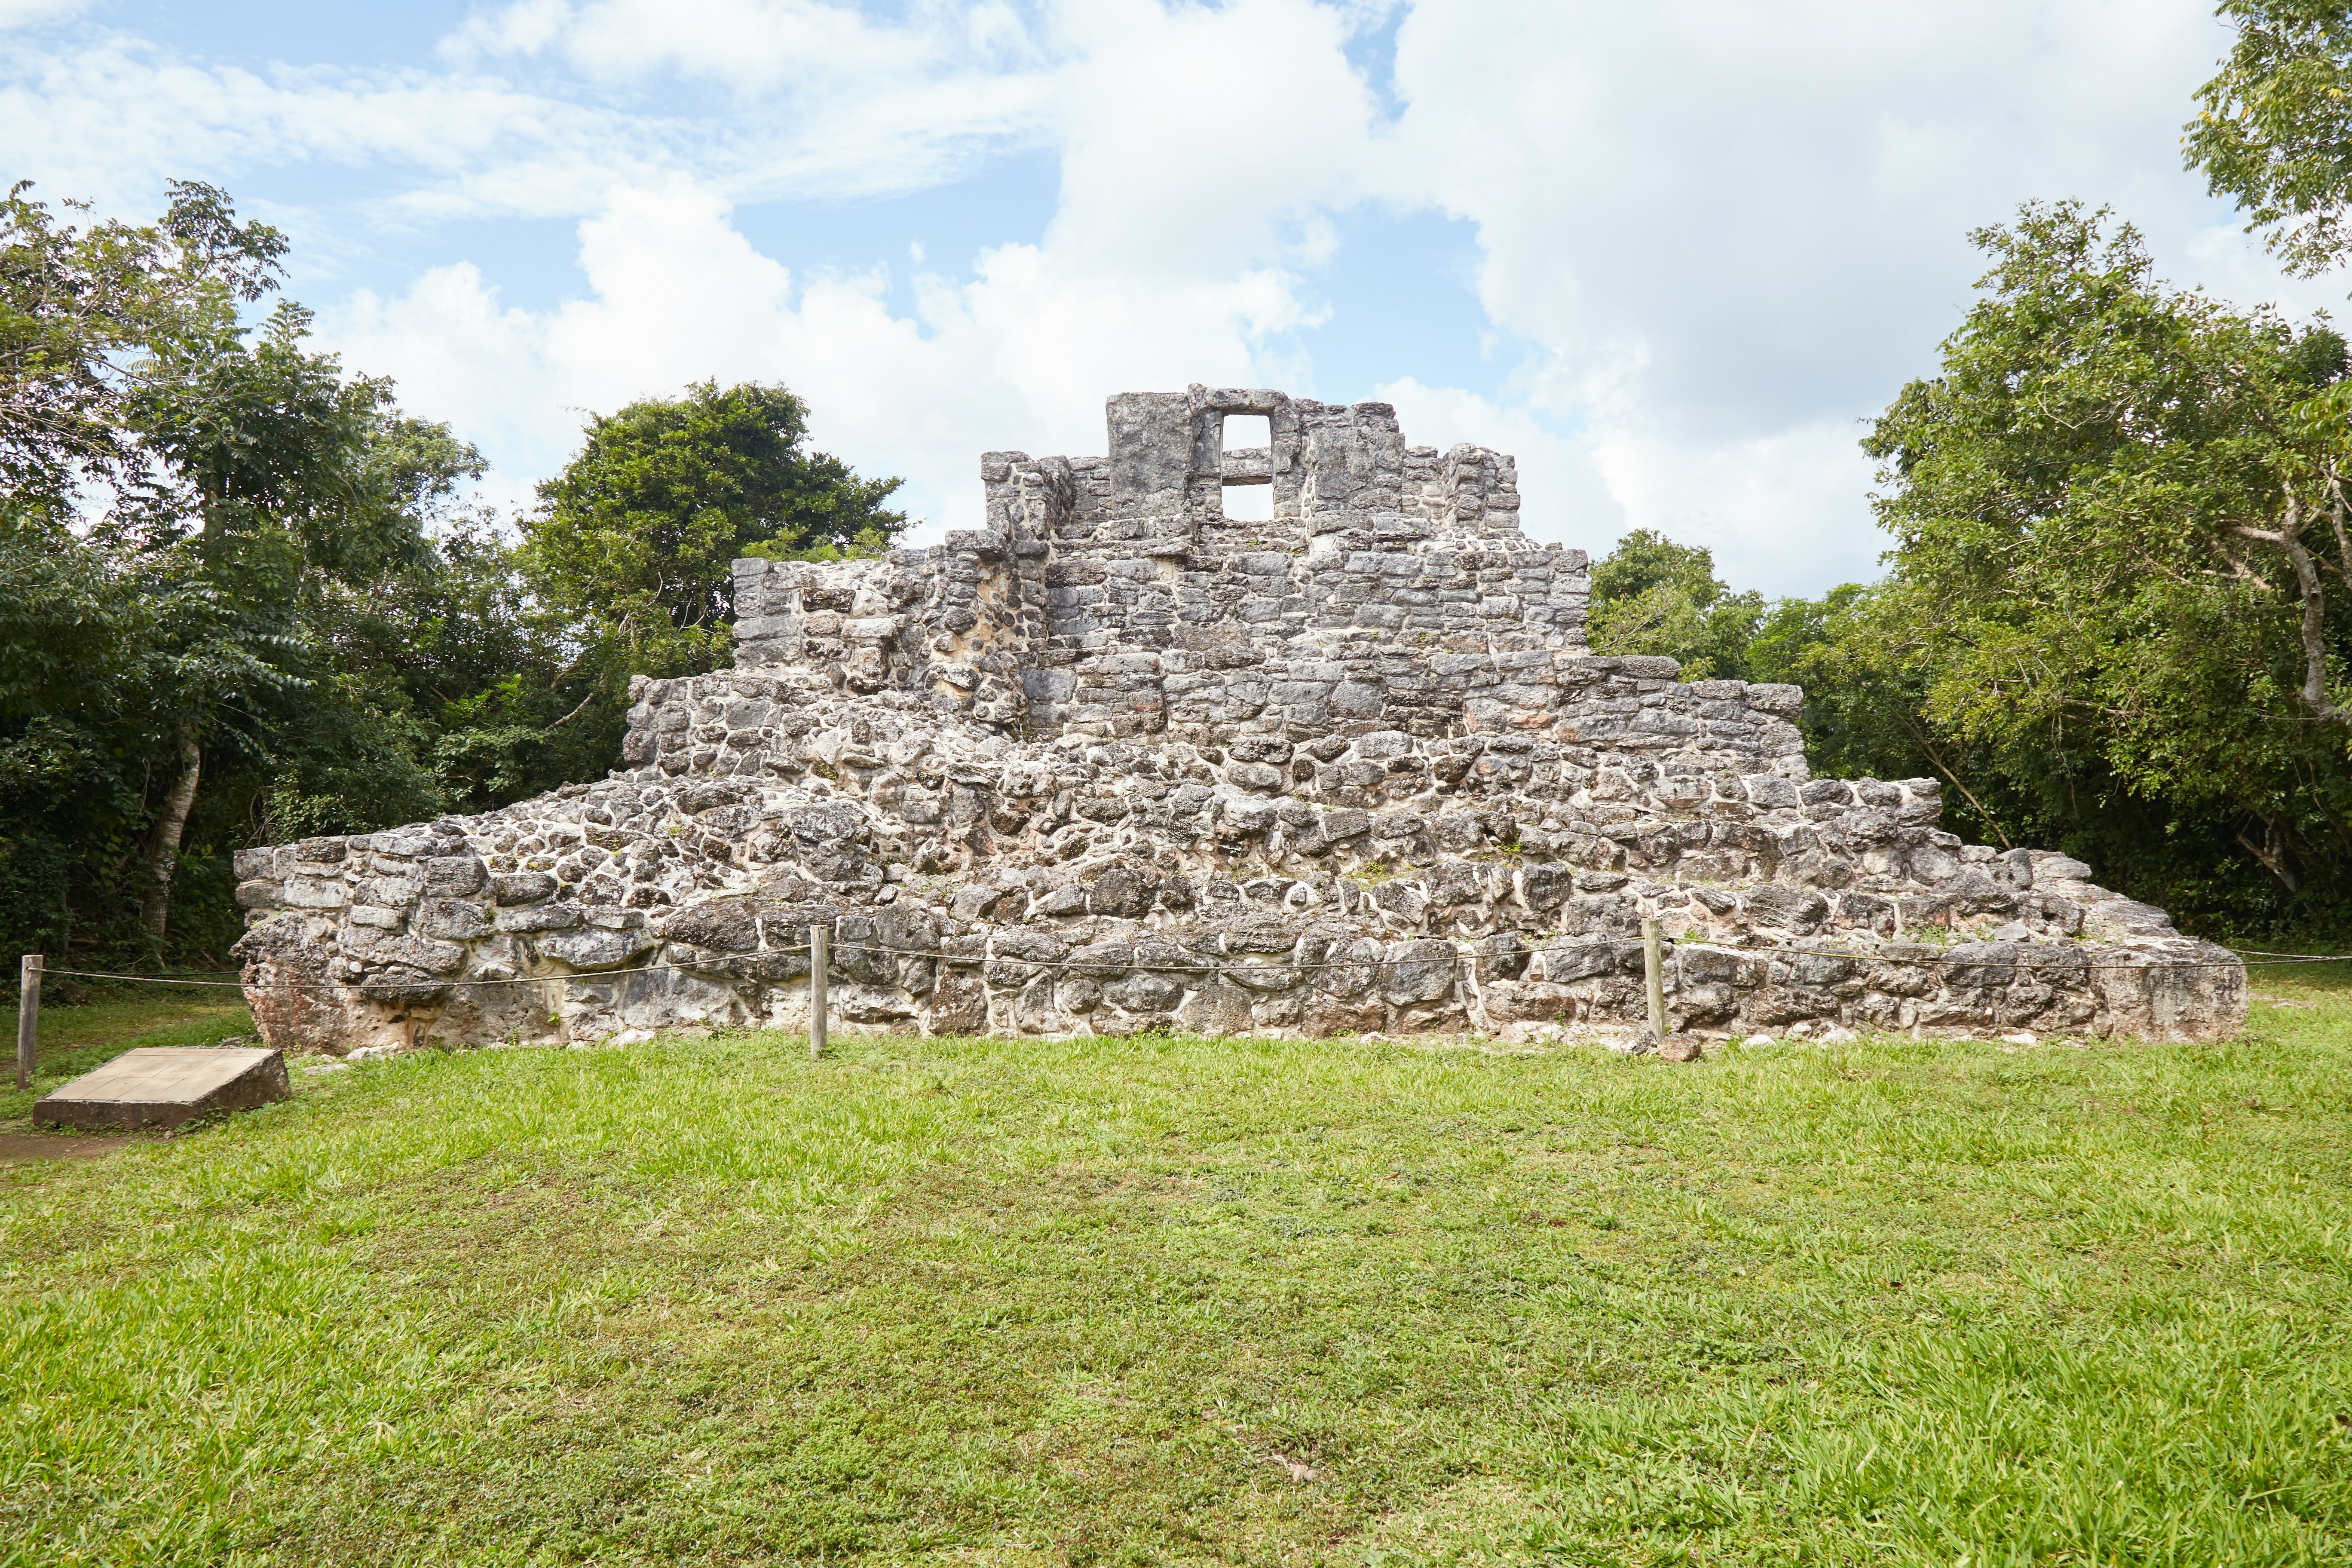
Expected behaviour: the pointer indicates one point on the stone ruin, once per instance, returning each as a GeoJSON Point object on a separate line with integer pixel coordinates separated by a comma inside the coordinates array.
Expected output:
{"type": "Point", "coordinates": [1118, 762]}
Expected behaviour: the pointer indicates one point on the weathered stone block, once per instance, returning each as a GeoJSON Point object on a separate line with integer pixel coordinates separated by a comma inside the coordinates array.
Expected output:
{"type": "Point", "coordinates": [592, 949]}
{"type": "Point", "coordinates": [165, 1086]}
{"type": "Point", "coordinates": [523, 887]}
{"type": "Point", "coordinates": [538, 917]}
{"type": "Point", "coordinates": [454, 876]}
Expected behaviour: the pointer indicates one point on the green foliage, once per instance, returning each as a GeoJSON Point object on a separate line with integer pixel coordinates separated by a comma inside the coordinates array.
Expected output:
{"type": "Point", "coordinates": [1862, 716]}
{"type": "Point", "coordinates": [635, 541]}
{"type": "Point", "coordinates": [872, 544]}
{"type": "Point", "coordinates": [2114, 511]}
{"type": "Point", "coordinates": [217, 601]}
{"type": "Point", "coordinates": [77, 306]}
{"type": "Point", "coordinates": [503, 684]}
{"type": "Point", "coordinates": [2274, 128]}
{"type": "Point", "coordinates": [285, 621]}
{"type": "Point", "coordinates": [1653, 596]}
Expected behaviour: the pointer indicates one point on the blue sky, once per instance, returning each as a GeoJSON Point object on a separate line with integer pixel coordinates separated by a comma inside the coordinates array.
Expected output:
{"type": "Point", "coordinates": [1671, 255]}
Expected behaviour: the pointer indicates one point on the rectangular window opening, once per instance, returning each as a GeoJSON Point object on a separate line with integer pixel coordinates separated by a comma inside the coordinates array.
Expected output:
{"type": "Point", "coordinates": [1246, 443]}
{"type": "Point", "coordinates": [1249, 503]}
{"type": "Point", "coordinates": [1246, 430]}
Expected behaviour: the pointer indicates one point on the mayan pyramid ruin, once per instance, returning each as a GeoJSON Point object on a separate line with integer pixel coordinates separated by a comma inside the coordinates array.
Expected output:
{"type": "Point", "coordinates": [1117, 761]}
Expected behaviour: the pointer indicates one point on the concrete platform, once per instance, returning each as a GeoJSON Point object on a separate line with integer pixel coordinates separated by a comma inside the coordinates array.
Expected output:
{"type": "Point", "coordinates": [164, 1086]}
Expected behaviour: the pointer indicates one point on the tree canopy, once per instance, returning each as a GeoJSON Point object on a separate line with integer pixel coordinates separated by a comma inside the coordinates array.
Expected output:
{"type": "Point", "coordinates": [81, 307]}
{"type": "Point", "coordinates": [2274, 128]}
{"type": "Point", "coordinates": [638, 535]}
{"type": "Point", "coordinates": [1652, 595]}
{"type": "Point", "coordinates": [2116, 511]}
{"type": "Point", "coordinates": [244, 597]}
{"type": "Point", "coordinates": [2117, 612]}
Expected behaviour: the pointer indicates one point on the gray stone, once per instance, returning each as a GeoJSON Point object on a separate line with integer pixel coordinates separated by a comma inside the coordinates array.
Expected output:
{"type": "Point", "coordinates": [524, 888]}
{"type": "Point", "coordinates": [537, 917]}
{"type": "Point", "coordinates": [166, 1086]}
{"type": "Point", "coordinates": [454, 919]}
{"type": "Point", "coordinates": [595, 949]}
{"type": "Point", "coordinates": [454, 876]}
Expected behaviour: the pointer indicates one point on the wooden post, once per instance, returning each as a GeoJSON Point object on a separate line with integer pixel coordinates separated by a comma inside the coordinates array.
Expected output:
{"type": "Point", "coordinates": [817, 962]}
{"type": "Point", "coordinates": [1654, 969]}
{"type": "Point", "coordinates": [28, 1016]}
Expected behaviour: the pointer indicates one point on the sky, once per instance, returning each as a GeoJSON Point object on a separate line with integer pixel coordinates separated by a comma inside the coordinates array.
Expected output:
{"type": "Point", "coordinates": [1674, 256]}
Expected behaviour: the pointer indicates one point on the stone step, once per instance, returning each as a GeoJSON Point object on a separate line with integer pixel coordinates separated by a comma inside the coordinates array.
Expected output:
{"type": "Point", "coordinates": [167, 1086]}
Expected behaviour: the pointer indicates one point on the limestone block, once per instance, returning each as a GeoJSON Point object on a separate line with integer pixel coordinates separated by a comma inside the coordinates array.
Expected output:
{"type": "Point", "coordinates": [166, 1086]}
{"type": "Point", "coordinates": [454, 876]}
{"type": "Point", "coordinates": [423, 955]}
{"type": "Point", "coordinates": [592, 949]}
{"type": "Point", "coordinates": [538, 918]}
{"type": "Point", "coordinates": [523, 887]}
{"type": "Point", "coordinates": [454, 919]}
{"type": "Point", "coordinates": [320, 851]}
{"type": "Point", "coordinates": [316, 893]}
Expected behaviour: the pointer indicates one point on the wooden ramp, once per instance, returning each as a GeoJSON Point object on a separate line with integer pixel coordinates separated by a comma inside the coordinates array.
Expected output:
{"type": "Point", "coordinates": [164, 1086]}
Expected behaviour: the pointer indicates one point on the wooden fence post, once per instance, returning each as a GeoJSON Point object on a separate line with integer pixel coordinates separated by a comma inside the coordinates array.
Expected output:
{"type": "Point", "coordinates": [1654, 971]}
{"type": "Point", "coordinates": [28, 1016]}
{"type": "Point", "coordinates": [817, 965]}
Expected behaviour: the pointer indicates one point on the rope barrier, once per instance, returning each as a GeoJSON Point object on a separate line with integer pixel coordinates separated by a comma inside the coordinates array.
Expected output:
{"type": "Point", "coordinates": [1197, 962]}
{"type": "Point", "coordinates": [339, 985]}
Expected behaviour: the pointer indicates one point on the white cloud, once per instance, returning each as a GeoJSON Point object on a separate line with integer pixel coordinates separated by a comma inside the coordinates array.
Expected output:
{"type": "Point", "coordinates": [525, 27]}
{"type": "Point", "coordinates": [1732, 232]}
{"type": "Point", "coordinates": [1199, 141]}
{"type": "Point", "coordinates": [1723, 233]}
{"type": "Point", "coordinates": [112, 119]}
{"type": "Point", "coordinates": [1020, 354]}
{"type": "Point", "coordinates": [110, 116]}
{"type": "Point", "coordinates": [1163, 265]}
{"type": "Point", "coordinates": [15, 14]}
{"type": "Point", "coordinates": [1783, 510]}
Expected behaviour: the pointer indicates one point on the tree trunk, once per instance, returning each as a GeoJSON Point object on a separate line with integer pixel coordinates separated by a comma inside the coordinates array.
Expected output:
{"type": "Point", "coordinates": [2273, 853]}
{"type": "Point", "coordinates": [164, 845]}
{"type": "Point", "coordinates": [2287, 536]}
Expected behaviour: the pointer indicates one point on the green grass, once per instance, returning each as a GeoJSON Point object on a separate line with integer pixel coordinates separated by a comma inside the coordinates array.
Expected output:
{"type": "Point", "coordinates": [1000, 1302]}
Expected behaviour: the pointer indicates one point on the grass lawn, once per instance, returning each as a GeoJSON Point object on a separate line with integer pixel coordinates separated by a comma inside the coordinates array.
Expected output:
{"type": "Point", "coordinates": [1182, 1300]}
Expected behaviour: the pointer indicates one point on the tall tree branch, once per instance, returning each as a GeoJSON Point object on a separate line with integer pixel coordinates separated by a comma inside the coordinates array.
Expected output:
{"type": "Point", "coordinates": [1927, 747]}
{"type": "Point", "coordinates": [2288, 537]}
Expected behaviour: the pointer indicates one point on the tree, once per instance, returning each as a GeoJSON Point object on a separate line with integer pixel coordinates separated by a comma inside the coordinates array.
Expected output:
{"type": "Point", "coordinates": [242, 597]}
{"type": "Point", "coordinates": [634, 542]}
{"type": "Point", "coordinates": [2122, 563]}
{"type": "Point", "coordinates": [69, 654]}
{"type": "Point", "coordinates": [2273, 132]}
{"type": "Point", "coordinates": [198, 517]}
{"type": "Point", "coordinates": [272, 486]}
{"type": "Point", "coordinates": [77, 309]}
{"type": "Point", "coordinates": [497, 678]}
{"type": "Point", "coordinates": [1652, 595]}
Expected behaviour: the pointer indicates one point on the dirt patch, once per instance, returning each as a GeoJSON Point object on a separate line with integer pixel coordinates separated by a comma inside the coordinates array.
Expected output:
{"type": "Point", "coordinates": [45, 1146]}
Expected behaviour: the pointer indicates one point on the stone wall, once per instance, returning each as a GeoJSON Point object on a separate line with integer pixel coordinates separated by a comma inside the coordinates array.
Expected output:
{"type": "Point", "coordinates": [1111, 595]}
{"type": "Point", "coordinates": [1116, 761]}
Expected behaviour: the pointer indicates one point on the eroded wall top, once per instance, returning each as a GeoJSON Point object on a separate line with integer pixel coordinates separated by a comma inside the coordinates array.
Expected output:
{"type": "Point", "coordinates": [1377, 585]}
